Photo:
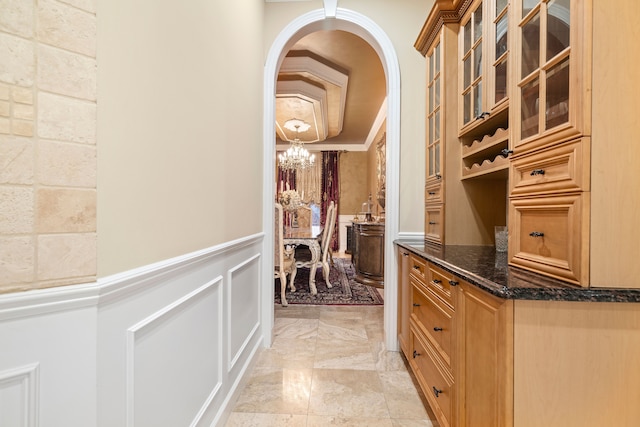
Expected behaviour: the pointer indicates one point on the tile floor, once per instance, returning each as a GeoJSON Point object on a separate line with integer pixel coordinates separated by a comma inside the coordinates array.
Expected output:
{"type": "Point", "coordinates": [328, 366]}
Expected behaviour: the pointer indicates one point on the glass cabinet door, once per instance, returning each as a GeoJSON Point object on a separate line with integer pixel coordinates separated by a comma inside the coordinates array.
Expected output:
{"type": "Point", "coordinates": [471, 55]}
{"type": "Point", "coordinates": [434, 152]}
{"type": "Point", "coordinates": [544, 82]}
{"type": "Point", "coordinates": [501, 51]}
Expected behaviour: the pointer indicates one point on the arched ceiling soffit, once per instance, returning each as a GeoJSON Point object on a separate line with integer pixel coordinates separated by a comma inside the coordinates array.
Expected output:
{"type": "Point", "coordinates": [334, 81]}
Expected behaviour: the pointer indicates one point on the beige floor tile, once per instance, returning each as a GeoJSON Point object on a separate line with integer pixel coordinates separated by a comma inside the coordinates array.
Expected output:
{"type": "Point", "coordinates": [327, 421]}
{"type": "Point", "coordinates": [397, 422]}
{"type": "Point", "coordinates": [342, 329]}
{"type": "Point", "coordinates": [347, 393]}
{"type": "Point", "coordinates": [385, 360]}
{"type": "Point", "coordinates": [295, 328]}
{"type": "Point", "coordinates": [401, 395]}
{"type": "Point", "coordinates": [338, 354]}
{"type": "Point", "coordinates": [243, 419]}
{"type": "Point", "coordinates": [298, 311]}
{"type": "Point", "coordinates": [276, 391]}
{"type": "Point", "coordinates": [289, 353]}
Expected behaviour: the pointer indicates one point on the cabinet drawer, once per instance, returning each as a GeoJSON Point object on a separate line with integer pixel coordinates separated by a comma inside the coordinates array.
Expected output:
{"type": "Point", "coordinates": [440, 282]}
{"type": "Point", "coordinates": [436, 382]}
{"type": "Point", "coordinates": [435, 319]}
{"type": "Point", "coordinates": [551, 236]}
{"type": "Point", "coordinates": [418, 268]}
{"type": "Point", "coordinates": [433, 193]}
{"type": "Point", "coordinates": [559, 169]}
{"type": "Point", "coordinates": [433, 227]}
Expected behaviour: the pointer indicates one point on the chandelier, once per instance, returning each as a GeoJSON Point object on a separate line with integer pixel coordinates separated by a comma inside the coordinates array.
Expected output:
{"type": "Point", "coordinates": [296, 156]}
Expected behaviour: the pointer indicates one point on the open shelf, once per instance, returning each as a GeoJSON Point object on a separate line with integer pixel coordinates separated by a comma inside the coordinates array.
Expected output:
{"type": "Point", "coordinates": [484, 158]}
{"type": "Point", "coordinates": [496, 169]}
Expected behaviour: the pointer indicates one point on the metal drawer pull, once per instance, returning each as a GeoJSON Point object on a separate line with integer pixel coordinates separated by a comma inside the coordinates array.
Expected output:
{"type": "Point", "coordinates": [416, 267]}
{"type": "Point", "coordinates": [415, 354]}
{"type": "Point", "coordinates": [536, 234]}
{"type": "Point", "coordinates": [405, 254]}
{"type": "Point", "coordinates": [506, 152]}
{"type": "Point", "coordinates": [537, 172]}
{"type": "Point", "coordinates": [436, 391]}
{"type": "Point", "coordinates": [432, 193]}
{"type": "Point", "coordinates": [438, 176]}
{"type": "Point", "coordinates": [437, 329]}
{"type": "Point", "coordinates": [432, 223]}
{"type": "Point", "coordinates": [416, 304]}
{"type": "Point", "coordinates": [453, 283]}
{"type": "Point", "coordinates": [437, 281]}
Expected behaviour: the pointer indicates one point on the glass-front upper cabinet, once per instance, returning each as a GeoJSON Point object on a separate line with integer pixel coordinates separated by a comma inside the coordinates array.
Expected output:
{"type": "Point", "coordinates": [499, 69]}
{"type": "Point", "coordinates": [434, 113]}
{"type": "Point", "coordinates": [484, 33]}
{"type": "Point", "coordinates": [471, 45]}
{"type": "Point", "coordinates": [549, 71]}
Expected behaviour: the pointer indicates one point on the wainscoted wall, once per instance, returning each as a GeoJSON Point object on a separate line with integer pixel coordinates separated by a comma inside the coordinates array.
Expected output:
{"type": "Point", "coordinates": [166, 344]}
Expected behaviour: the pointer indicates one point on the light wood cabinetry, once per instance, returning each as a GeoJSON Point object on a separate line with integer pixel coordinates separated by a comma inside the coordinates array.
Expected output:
{"type": "Point", "coordinates": [404, 300]}
{"type": "Point", "coordinates": [483, 360]}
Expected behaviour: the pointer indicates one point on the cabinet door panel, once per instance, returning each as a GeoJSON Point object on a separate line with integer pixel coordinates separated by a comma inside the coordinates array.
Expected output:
{"type": "Point", "coordinates": [433, 224]}
{"type": "Point", "coordinates": [551, 236]}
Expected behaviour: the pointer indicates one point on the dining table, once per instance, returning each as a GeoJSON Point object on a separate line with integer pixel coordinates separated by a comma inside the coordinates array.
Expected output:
{"type": "Point", "coordinates": [307, 236]}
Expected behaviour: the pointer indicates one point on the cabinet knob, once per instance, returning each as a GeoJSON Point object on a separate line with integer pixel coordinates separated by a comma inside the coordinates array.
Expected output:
{"type": "Point", "coordinates": [505, 152]}
{"type": "Point", "coordinates": [453, 283]}
{"type": "Point", "coordinates": [482, 115]}
{"type": "Point", "coordinates": [415, 354]}
{"type": "Point", "coordinates": [537, 172]}
{"type": "Point", "coordinates": [437, 329]}
{"type": "Point", "coordinates": [438, 176]}
{"type": "Point", "coordinates": [436, 391]}
{"type": "Point", "coordinates": [536, 234]}
{"type": "Point", "coordinates": [437, 281]}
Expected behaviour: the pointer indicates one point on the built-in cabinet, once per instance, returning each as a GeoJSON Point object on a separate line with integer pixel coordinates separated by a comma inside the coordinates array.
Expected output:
{"type": "Point", "coordinates": [485, 360]}
{"type": "Point", "coordinates": [516, 140]}
{"type": "Point", "coordinates": [368, 252]}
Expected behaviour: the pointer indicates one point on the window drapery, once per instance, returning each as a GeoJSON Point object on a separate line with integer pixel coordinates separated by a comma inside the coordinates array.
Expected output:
{"type": "Point", "coordinates": [330, 190]}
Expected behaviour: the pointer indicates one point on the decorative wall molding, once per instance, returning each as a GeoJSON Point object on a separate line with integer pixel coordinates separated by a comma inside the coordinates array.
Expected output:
{"type": "Point", "coordinates": [19, 391]}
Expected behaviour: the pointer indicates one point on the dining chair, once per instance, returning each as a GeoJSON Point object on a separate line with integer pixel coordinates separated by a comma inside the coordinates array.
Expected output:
{"type": "Point", "coordinates": [304, 217]}
{"type": "Point", "coordinates": [303, 255]}
{"type": "Point", "coordinates": [284, 256]}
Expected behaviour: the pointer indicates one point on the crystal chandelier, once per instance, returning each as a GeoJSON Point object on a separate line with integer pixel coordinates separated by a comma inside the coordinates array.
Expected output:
{"type": "Point", "coordinates": [296, 157]}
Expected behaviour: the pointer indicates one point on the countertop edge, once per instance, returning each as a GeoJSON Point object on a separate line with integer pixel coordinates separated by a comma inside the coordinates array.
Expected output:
{"type": "Point", "coordinates": [552, 290]}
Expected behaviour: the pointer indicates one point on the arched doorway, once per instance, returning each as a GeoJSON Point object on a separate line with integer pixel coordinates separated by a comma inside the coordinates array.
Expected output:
{"type": "Point", "coordinates": [364, 27]}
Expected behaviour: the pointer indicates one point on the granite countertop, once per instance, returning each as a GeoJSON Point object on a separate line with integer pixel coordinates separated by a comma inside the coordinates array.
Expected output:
{"type": "Point", "coordinates": [487, 269]}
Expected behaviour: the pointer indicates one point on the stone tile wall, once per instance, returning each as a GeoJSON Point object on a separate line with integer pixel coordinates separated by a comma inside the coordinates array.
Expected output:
{"type": "Point", "coordinates": [47, 143]}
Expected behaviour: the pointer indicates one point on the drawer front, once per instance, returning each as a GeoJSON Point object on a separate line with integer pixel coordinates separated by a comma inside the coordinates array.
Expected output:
{"type": "Point", "coordinates": [437, 384]}
{"type": "Point", "coordinates": [433, 193]}
{"type": "Point", "coordinates": [435, 318]}
{"type": "Point", "coordinates": [554, 170]}
{"type": "Point", "coordinates": [551, 236]}
{"type": "Point", "coordinates": [440, 282]}
{"type": "Point", "coordinates": [433, 226]}
{"type": "Point", "coordinates": [418, 268]}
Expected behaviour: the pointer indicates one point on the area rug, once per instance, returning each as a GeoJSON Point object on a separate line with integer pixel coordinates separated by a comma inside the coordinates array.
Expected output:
{"type": "Point", "coordinates": [344, 291]}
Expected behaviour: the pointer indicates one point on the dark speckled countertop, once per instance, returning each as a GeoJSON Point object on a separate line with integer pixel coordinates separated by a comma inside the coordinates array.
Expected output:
{"type": "Point", "coordinates": [482, 266]}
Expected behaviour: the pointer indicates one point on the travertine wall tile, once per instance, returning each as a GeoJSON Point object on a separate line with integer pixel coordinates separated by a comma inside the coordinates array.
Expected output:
{"type": "Point", "coordinates": [23, 111]}
{"type": "Point", "coordinates": [17, 17]}
{"type": "Point", "coordinates": [5, 126]}
{"type": "Point", "coordinates": [16, 160]}
{"type": "Point", "coordinates": [66, 119]}
{"type": "Point", "coordinates": [22, 95]}
{"type": "Point", "coordinates": [16, 260]}
{"type": "Point", "coordinates": [66, 27]}
{"type": "Point", "coordinates": [65, 210]}
{"type": "Point", "coordinates": [66, 256]}
{"type": "Point", "coordinates": [66, 73]}
{"type": "Point", "coordinates": [16, 210]}
{"type": "Point", "coordinates": [22, 127]}
{"type": "Point", "coordinates": [5, 108]}
{"type": "Point", "coordinates": [64, 164]}
{"type": "Point", "coordinates": [88, 5]}
{"type": "Point", "coordinates": [18, 61]}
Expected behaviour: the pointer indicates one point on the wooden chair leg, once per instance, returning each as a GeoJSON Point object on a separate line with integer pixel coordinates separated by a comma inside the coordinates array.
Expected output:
{"type": "Point", "coordinates": [325, 273]}
{"type": "Point", "coordinates": [283, 289]}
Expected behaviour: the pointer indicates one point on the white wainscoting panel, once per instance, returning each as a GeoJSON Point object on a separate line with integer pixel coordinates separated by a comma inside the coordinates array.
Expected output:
{"type": "Point", "coordinates": [167, 344]}
{"type": "Point", "coordinates": [19, 396]}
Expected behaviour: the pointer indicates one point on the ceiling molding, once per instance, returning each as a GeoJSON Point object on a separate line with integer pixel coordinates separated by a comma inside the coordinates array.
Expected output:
{"type": "Point", "coordinates": [307, 64]}
{"type": "Point", "coordinates": [299, 99]}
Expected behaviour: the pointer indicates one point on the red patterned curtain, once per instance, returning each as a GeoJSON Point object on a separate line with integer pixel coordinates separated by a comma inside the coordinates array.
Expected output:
{"type": "Point", "coordinates": [285, 177]}
{"type": "Point", "coordinates": [330, 191]}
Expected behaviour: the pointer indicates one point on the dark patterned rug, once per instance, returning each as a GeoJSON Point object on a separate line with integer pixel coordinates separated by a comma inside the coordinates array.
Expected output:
{"type": "Point", "coordinates": [345, 290]}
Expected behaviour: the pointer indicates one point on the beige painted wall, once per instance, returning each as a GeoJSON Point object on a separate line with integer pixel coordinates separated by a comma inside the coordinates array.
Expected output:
{"type": "Point", "coordinates": [179, 127]}
{"type": "Point", "coordinates": [401, 20]}
{"type": "Point", "coordinates": [354, 181]}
